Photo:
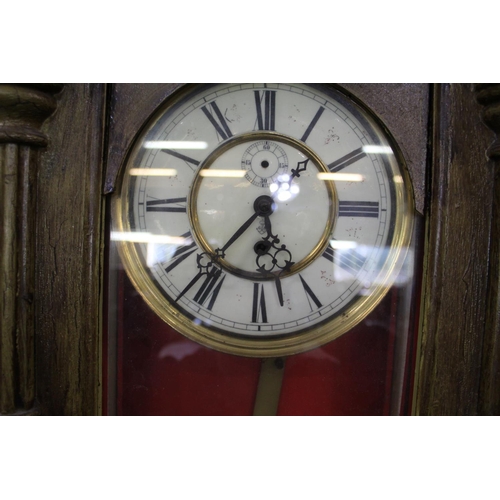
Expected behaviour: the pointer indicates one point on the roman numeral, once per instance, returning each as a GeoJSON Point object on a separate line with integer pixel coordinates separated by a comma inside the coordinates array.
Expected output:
{"type": "Point", "coordinates": [266, 120]}
{"type": "Point", "coordinates": [348, 259]}
{"type": "Point", "coordinates": [347, 160]}
{"type": "Point", "coordinates": [171, 152]}
{"type": "Point", "coordinates": [168, 205]}
{"type": "Point", "coordinates": [329, 254]}
{"type": "Point", "coordinates": [358, 209]}
{"type": "Point", "coordinates": [312, 124]}
{"type": "Point", "coordinates": [310, 294]}
{"type": "Point", "coordinates": [259, 313]}
{"type": "Point", "coordinates": [182, 252]}
{"type": "Point", "coordinates": [221, 125]}
{"type": "Point", "coordinates": [210, 288]}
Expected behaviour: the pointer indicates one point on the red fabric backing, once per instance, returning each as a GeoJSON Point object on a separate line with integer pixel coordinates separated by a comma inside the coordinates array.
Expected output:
{"type": "Point", "coordinates": [160, 372]}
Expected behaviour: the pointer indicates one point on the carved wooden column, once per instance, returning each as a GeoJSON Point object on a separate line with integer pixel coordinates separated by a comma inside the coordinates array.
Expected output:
{"type": "Point", "coordinates": [23, 109]}
{"type": "Point", "coordinates": [488, 94]}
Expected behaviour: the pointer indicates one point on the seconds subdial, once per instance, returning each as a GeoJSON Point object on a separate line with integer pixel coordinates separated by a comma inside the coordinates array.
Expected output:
{"type": "Point", "coordinates": [264, 162]}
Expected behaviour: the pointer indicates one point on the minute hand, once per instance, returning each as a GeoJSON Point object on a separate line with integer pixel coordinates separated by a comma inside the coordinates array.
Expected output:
{"type": "Point", "coordinates": [238, 233]}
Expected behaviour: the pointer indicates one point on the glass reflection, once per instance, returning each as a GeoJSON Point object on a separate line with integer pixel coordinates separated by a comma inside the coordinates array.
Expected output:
{"type": "Point", "coordinates": [175, 145]}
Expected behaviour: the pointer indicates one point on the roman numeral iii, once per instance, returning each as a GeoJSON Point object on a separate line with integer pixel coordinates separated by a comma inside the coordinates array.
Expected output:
{"type": "Point", "coordinates": [358, 209]}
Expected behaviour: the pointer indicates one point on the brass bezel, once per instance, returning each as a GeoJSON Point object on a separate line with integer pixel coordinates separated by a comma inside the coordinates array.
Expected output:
{"type": "Point", "coordinates": [296, 342]}
{"type": "Point", "coordinates": [275, 137]}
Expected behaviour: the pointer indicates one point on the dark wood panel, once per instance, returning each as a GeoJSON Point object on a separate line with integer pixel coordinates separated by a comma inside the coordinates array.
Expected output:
{"type": "Point", "coordinates": [130, 105]}
{"type": "Point", "coordinates": [488, 95]}
{"type": "Point", "coordinates": [69, 261]}
{"type": "Point", "coordinates": [404, 110]}
{"type": "Point", "coordinates": [458, 237]}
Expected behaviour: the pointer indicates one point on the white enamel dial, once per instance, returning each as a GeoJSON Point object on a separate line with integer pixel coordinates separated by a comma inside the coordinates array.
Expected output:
{"type": "Point", "coordinates": [263, 219]}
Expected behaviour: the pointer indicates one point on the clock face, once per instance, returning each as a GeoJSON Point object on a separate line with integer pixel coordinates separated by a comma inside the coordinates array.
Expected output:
{"type": "Point", "coordinates": [263, 219]}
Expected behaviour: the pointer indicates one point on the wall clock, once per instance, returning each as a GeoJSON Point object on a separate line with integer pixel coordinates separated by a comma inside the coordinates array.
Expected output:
{"type": "Point", "coordinates": [263, 219]}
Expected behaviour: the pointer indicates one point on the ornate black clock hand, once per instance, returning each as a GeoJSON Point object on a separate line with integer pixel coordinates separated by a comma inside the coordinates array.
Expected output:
{"type": "Point", "coordinates": [277, 256]}
{"type": "Point", "coordinates": [205, 268]}
{"type": "Point", "coordinates": [301, 167]}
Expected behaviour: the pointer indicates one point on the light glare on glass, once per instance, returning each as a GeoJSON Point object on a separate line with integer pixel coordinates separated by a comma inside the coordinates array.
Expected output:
{"type": "Point", "coordinates": [343, 244]}
{"type": "Point", "coordinates": [159, 172]}
{"type": "Point", "coordinates": [175, 145]}
{"type": "Point", "coordinates": [377, 149]}
{"type": "Point", "coordinates": [326, 176]}
{"type": "Point", "coordinates": [138, 237]}
{"type": "Point", "coordinates": [222, 173]}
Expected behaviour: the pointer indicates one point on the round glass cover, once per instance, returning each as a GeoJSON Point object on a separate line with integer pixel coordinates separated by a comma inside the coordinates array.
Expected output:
{"type": "Point", "coordinates": [263, 219]}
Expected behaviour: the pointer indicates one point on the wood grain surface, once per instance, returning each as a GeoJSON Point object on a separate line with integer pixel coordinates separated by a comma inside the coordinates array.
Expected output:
{"type": "Point", "coordinates": [455, 293]}
{"type": "Point", "coordinates": [23, 109]}
{"type": "Point", "coordinates": [69, 255]}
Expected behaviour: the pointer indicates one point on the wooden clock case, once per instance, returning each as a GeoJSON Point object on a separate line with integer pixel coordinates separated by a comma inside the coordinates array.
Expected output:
{"type": "Point", "coordinates": [61, 148]}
